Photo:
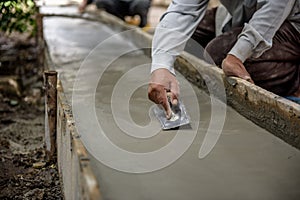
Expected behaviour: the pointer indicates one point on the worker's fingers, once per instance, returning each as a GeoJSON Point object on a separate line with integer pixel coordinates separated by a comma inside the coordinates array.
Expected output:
{"type": "Point", "coordinates": [154, 91]}
{"type": "Point", "coordinates": [232, 66]}
{"type": "Point", "coordinates": [157, 93]}
{"type": "Point", "coordinates": [238, 73]}
{"type": "Point", "coordinates": [174, 88]}
{"type": "Point", "coordinates": [161, 82]}
{"type": "Point", "coordinates": [81, 8]}
{"type": "Point", "coordinates": [174, 101]}
{"type": "Point", "coordinates": [173, 98]}
{"type": "Point", "coordinates": [247, 78]}
{"type": "Point", "coordinates": [165, 104]}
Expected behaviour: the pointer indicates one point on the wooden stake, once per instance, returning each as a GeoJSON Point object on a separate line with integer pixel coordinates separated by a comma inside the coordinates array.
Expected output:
{"type": "Point", "coordinates": [50, 78]}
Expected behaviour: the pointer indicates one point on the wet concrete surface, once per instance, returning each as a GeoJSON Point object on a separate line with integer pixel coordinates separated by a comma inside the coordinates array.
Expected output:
{"type": "Point", "coordinates": [246, 163]}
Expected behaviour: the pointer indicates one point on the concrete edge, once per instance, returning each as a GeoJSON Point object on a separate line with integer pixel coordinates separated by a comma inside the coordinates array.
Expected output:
{"type": "Point", "coordinates": [266, 109]}
{"type": "Point", "coordinates": [76, 175]}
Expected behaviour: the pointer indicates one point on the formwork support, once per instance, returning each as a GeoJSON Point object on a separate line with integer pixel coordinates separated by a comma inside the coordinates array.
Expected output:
{"type": "Point", "coordinates": [50, 78]}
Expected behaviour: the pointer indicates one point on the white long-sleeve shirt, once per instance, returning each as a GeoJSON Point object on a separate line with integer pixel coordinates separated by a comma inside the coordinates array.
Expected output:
{"type": "Point", "coordinates": [182, 17]}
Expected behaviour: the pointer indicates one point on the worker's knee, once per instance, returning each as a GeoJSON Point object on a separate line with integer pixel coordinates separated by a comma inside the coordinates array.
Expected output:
{"type": "Point", "coordinates": [213, 53]}
{"type": "Point", "coordinates": [218, 48]}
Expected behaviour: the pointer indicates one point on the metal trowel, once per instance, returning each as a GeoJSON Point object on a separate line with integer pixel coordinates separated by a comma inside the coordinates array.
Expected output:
{"type": "Point", "coordinates": [179, 116]}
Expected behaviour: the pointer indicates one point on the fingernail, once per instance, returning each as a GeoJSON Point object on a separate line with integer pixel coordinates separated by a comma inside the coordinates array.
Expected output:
{"type": "Point", "coordinates": [247, 78]}
{"type": "Point", "coordinates": [175, 102]}
{"type": "Point", "coordinates": [169, 115]}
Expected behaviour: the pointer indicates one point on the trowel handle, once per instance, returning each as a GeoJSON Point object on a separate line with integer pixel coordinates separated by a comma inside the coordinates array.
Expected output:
{"type": "Point", "coordinates": [169, 96]}
{"type": "Point", "coordinates": [174, 108]}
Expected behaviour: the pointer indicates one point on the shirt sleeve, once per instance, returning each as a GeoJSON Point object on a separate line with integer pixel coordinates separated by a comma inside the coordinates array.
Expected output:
{"type": "Point", "coordinates": [176, 26]}
{"type": "Point", "coordinates": [256, 36]}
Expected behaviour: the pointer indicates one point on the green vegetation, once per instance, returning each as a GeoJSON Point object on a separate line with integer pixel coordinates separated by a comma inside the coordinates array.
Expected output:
{"type": "Point", "coordinates": [18, 15]}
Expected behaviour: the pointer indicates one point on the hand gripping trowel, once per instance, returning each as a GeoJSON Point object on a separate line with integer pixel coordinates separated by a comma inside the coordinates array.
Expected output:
{"type": "Point", "coordinates": [179, 116]}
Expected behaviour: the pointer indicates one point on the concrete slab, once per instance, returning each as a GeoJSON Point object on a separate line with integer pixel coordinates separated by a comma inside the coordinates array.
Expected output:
{"type": "Point", "coordinates": [246, 163]}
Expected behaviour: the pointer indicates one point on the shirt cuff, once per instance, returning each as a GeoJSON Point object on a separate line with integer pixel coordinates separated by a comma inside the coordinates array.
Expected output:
{"type": "Point", "coordinates": [163, 61]}
{"type": "Point", "coordinates": [242, 49]}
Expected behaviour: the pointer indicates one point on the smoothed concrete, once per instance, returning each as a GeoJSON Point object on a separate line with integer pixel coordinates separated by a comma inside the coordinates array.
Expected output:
{"type": "Point", "coordinates": [246, 163]}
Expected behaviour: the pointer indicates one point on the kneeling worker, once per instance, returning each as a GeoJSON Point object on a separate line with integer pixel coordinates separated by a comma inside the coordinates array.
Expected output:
{"type": "Point", "coordinates": [122, 8]}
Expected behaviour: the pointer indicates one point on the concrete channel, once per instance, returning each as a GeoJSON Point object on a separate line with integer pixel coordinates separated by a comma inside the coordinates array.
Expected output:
{"type": "Point", "coordinates": [247, 162]}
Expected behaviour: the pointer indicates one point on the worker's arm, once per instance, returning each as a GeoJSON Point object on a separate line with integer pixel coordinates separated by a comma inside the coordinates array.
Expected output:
{"type": "Point", "coordinates": [175, 28]}
{"type": "Point", "coordinates": [257, 35]}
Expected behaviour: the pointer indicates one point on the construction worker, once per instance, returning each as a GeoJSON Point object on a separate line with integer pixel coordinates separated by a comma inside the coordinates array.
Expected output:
{"type": "Point", "coordinates": [259, 41]}
{"type": "Point", "coordinates": [122, 8]}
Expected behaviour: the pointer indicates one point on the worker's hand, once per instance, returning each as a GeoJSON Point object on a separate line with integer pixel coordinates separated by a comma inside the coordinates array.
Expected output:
{"type": "Point", "coordinates": [232, 66]}
{"type": "Point", "coordinates": [81, 9]}
{"type": "Point", "coordinates": [82, 6]}
{"type": "Point", "coordinates": [161, 82]}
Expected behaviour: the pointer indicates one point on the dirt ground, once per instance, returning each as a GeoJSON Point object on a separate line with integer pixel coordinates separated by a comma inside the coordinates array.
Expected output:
{"type": "Point", "coordinates": [24, 171]}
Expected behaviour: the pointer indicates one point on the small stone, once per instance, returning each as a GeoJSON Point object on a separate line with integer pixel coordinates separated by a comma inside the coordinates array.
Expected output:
{"type": "Point", "coordinates": [38, 165]}
{"type": "Point", "coordinates": [53, 166]}
{"type": "Point", "coordinates": [13, 102]}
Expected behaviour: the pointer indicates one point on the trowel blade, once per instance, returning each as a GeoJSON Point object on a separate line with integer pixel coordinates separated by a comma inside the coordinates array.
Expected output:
{"type": "Point", "coordinates": [179, 117]}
